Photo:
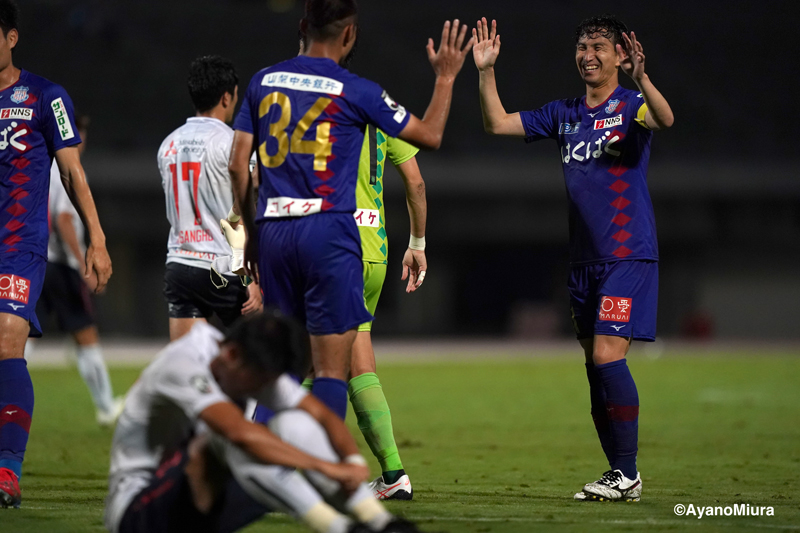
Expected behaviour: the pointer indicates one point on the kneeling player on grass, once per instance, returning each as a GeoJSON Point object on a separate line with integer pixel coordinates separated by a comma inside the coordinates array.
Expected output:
{"type": "Point", "coordinates": [604, 138]}
{"type": "Point", "coordinates": [184, 458]}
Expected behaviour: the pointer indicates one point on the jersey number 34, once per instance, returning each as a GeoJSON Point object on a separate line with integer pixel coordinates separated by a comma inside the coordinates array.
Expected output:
{"type": "Point", "coordinates": [321, 147]}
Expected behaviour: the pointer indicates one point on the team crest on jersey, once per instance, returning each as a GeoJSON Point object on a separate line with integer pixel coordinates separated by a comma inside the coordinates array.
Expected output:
{"type": "Point", "coordinates": [612, 106]}
{"type": "Point", "coordinates": [569, 128]}
{"type": "Point", "coordinates": [605, 123]}
{"type": "Point", "coordinates": [201, 384]}
{"type": "Point", "coordinates": [19, 95]}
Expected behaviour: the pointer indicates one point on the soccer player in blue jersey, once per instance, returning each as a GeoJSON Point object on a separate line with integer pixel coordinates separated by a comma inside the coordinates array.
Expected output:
{"type": "Point", "coordinates": [604, 138]}
{"type": "Point", "coordinates": [305, 118]}
{"type": "Point", "coordinates": [37, 124]}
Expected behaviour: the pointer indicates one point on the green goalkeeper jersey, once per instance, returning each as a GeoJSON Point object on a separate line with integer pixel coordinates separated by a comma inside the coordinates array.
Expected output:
{"type": "Point", "coordinates": [369, 190]}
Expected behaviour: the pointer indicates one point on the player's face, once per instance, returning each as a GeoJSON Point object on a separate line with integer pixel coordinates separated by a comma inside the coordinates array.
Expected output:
{"type": "Point", "coordinates": [597, 59]}
{"type": "Point", "coordinates": [7, 43]}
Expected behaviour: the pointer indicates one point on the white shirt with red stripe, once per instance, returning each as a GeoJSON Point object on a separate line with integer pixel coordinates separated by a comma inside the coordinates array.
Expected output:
{"type": "Point", "coordinates": [193, 161]}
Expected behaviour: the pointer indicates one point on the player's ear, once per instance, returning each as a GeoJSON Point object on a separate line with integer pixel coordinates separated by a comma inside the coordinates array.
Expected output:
{"type": "Point", "coordinates": [12, 37]}
{"type": "Point", "coordinates": [349, 35]}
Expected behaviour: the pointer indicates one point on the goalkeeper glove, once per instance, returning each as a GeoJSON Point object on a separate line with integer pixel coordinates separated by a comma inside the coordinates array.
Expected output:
{"type": "Point", "coordinates": [236, 238]}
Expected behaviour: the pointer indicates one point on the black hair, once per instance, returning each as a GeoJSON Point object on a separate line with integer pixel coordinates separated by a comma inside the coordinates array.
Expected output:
{"type": "Point", "coordinates": [210, 77]}
{"type": "Point", "coordinates": [607, 26]}
{"type": "Point", "coordinates": [9, 16]}
{"type": "Point", "coordinates": [271, 342]}
{"type": "Point", "coordinates": [325, 19]}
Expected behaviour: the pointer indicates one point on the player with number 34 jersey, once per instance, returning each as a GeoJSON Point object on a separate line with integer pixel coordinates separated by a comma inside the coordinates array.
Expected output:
{"type": "Point", "coordinates": [305, 118]}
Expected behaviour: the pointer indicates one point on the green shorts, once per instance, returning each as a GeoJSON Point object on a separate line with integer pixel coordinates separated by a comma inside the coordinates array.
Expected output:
{"type": "Point", "coordinates": [374, 275]}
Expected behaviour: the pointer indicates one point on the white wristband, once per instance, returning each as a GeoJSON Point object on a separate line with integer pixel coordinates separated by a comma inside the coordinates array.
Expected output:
{"type": "Point", "coordinates": [233, 217]}
{"type": "Point", "coordinates": [416, 243]}
{"type": "Point", "coordinates": [355, 459]}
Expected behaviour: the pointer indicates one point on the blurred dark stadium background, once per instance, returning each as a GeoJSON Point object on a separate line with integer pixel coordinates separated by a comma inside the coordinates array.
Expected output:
{"type": "Point", "coordinates": [724, 180]}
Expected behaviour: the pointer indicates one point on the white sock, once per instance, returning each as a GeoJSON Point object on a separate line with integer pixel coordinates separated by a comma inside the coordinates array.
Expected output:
{"type": "Point", "coordinates": [363, 505]}
{"type": "Point", "coordinates": [93, 370]}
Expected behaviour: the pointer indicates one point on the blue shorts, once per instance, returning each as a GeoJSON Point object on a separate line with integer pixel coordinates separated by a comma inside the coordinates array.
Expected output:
{"type": "Point", "coordinates": [21, 280]}
{"type": "Point", "coordinates": [310, 268]}
{"type": "Point", "coordinates": [618, 299]}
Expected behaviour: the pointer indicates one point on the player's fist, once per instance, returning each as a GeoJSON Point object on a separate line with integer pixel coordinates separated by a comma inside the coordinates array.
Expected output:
{"type": "Point", "coordinates": [99, 263]}
{"type": "Point", "coordinates": [487, 44]}
{"type": "Point", "coordinates": [448, 60]}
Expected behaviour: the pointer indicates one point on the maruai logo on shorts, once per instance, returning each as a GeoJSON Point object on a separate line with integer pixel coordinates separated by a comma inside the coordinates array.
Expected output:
{"type": "Point", "coordinates": [615, 309]}
{"type": "Point", "coordinates": [14, 288]}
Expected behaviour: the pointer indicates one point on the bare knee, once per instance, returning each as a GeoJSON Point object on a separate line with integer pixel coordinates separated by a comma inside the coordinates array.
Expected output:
{"type": "Point", "coordinates": [607, 349]}
{"type": "Point", "coordinates": [14, 332]}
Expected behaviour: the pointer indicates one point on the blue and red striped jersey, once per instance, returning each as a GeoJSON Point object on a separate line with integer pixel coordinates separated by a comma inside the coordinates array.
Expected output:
{"type": "Point", "coordinates": [36, 120]}
{"type": "Point", "coordinates": [605, 151]}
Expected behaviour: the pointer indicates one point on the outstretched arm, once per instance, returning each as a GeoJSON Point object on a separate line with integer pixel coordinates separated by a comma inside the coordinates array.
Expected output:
{"type": "Point", "coordinates": [659, 114]}
{"type": "Point", "coordinates": [495, 119]}
{"type": "Point", "coordinates": [74, 179]}
{"type": "Point", "coordinates": [446, 62]}
{"type": "Point", "coordinates": [415, 264]}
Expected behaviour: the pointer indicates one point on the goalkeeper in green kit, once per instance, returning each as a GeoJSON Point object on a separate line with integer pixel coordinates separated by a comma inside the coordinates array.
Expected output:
{"type": "Point", "coordinates": [366, 394]}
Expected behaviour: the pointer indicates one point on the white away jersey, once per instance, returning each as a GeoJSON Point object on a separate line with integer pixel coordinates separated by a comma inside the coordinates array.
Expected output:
{"type": "Point", "coordinates": [162, 408]}
{"type": "Point", "coordinates": [58, 204]}
{"type": "Point", "coordinates": [193, 161]}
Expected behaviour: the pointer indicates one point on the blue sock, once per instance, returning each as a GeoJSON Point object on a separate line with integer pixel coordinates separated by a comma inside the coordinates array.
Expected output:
{"type": "Point", "coordinates": [16, 409]}
{"type": "Point", "coordinates": [333, 393]}
{"type": "Point", "coordinates": [622, 405]}
{"type": "Point", "coordinates": [599, 414]}
{"type": "Point", "coordinates": [263, 415]}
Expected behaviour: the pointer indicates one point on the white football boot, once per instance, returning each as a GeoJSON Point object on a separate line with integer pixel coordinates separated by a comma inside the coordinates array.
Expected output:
{"type": "Point", "coordinates": [399, 490]}
{"type": "Point", "coordinates": [613, 486]}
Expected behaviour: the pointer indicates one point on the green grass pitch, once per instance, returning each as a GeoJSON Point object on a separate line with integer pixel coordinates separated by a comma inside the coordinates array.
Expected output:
{"type": "Point", "coordinates": [500, 445]}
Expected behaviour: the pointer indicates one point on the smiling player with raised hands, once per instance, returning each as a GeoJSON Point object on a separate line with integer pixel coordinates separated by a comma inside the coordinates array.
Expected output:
{"type": "Point", "coordinates": [604, 139]}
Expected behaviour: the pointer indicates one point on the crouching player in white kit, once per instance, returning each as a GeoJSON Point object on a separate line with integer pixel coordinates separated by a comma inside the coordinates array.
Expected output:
{"type": "Point", "coordinates": [184, 457]}
{"type": "Point", "coordinates": [193, 161]}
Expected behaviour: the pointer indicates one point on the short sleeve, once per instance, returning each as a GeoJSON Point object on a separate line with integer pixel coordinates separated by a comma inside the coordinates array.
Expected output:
{"type": "Point", "coordinates": [640, 114]}
{"type": "Point", "coordinates": [400, 151]}
{"type": "Point", "coordinates": [58, 119]}
{"type": "Point", "coordinates": [381, 110]}
{"type": "Point", "coordinates": [285, 393]}
{"type": "Point", "coordinates": [244, 120]}
{"type": "Point", "coordinates": [539, 124]}
{"type": "Point", "coordinates": [189, 385]}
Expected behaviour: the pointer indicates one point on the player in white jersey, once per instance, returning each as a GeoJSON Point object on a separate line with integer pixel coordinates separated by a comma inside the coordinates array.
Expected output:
{"type": "Point", "coordinates": [66, 292]}
{"type": "Point", "coordinates": [193, 161]}
{"type": "Point", "coordinates": [185, 458]}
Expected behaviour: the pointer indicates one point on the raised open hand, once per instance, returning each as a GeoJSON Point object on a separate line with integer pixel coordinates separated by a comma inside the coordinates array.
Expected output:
{"type": "Point", "coordinates": [487, 45]}
{"type": "Point", "coordinates": [632, 53]}
{"type": "Point", "coordinates": [448, 60]}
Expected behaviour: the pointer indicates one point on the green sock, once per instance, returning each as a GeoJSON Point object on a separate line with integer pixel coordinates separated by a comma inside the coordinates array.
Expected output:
{"type": "Point", "coordinates": [375, 420]}
{"type": "Point", "coordinates": [307, 384]}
